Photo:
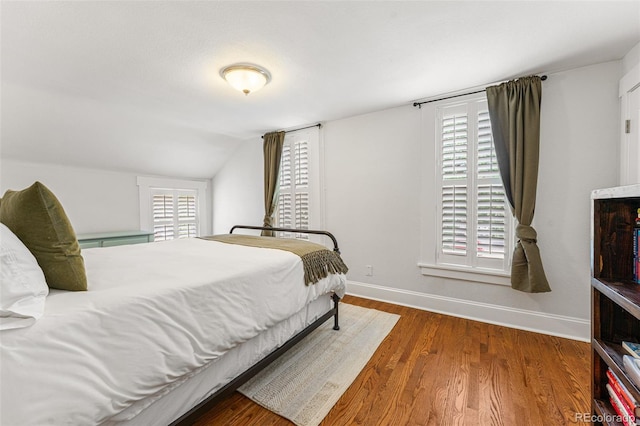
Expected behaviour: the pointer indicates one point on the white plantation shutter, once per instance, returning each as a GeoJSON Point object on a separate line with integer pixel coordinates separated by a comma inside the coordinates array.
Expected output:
{"type": "Point", "coordinates": [284, 214]}
{"type": "Point", "coordinates": [474, 225]}
{"type": "Point", "coordinates": [454, 147]}
{"type": "Point", "coordinates": [301, 163]}
{"type": "Point", "coordinates": [163, 226]}
{"type": "Point", "coordinates": [296, 186]}
{"type": "Point", "coordinates": [454, 219]}
{"type": "Point", "coordinates": [175, 214]}
{"type": "Point", "coordinates": [487, 160]}
{"type": "Point", "coordinates": [302, 210]}
{"type": "Point", "coordinates": [454, 190]}
{"type": "Point", "coordinates": [491, 214]}
{"type": "Point", "coordinates": [285, 211]}
{"type": "Point", "coordinates": [491, 221]}
{"type": "Point", "coordinates": [285, 168]}
{"type": "Point", "coordinates": [187, 220]}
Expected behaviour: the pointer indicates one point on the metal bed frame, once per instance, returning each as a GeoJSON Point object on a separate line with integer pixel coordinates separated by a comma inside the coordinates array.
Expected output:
{"type": "Point", "coordinates": [197, 411]}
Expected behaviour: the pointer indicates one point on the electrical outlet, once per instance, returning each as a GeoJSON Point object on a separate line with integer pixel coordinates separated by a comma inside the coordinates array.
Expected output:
{"type": "Point", "coordinates": [369, 270]}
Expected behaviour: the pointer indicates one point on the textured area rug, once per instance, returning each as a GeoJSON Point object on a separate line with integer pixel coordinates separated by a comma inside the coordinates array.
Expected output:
{"type": "Point", "coordinates": [305, 382]}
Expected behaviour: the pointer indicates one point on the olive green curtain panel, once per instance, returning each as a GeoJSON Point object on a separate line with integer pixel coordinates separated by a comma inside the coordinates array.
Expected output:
{"type": "Point", "coordinates": [272, 147]}
{"type": "Point", "coordinates": [514, 109]}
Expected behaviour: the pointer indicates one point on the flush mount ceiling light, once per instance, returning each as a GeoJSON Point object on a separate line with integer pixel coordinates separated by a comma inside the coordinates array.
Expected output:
{"type": "Point", "coordinates": [245, 77]}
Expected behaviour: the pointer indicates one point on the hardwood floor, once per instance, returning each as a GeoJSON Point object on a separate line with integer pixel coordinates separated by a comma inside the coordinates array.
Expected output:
{"type": "Point", "coordinates": [435, 369]}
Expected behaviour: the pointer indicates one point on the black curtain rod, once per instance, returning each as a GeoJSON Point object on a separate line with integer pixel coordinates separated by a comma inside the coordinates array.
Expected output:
{"type": "Point", "coordinates": [301, 128]}
{"type": "Point", "coordinates": [419, 104]}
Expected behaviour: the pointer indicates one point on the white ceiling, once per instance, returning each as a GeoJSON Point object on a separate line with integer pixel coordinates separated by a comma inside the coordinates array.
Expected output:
{"type": "Point", "coordinates": [134, 85]}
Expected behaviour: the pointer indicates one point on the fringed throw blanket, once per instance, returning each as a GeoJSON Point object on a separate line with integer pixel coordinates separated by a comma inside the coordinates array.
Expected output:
{"type": "Point", "coordinates": [318, 261]}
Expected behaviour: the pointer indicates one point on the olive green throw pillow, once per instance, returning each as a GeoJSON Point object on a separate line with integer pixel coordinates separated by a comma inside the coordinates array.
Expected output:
{"type": "Point", "coordinates": [36, 217]}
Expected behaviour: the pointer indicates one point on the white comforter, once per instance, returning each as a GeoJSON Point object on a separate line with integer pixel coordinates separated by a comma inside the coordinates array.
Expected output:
{"type": "Point", "coordinates": [153, 315]}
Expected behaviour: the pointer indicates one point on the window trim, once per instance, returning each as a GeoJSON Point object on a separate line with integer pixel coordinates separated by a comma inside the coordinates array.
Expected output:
{"type": "Point", "coordinates": [315, 176]}
{"type": "Point", "coordinates": [475, 274]}
{"type": "Point", "coordinates": [146, 185]}
{"type": "Point", "coordinates": [176, 221]}
{"type": "Point", "coordinates": [432, 263]}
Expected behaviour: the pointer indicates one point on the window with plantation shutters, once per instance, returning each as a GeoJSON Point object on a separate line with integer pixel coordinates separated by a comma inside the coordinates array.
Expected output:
{"type": "Point", "coordinates": [293, 192]}
{"type": "Point", "coordinates": [173, 208]}
{"type": "Point", "coordinates": [174, 214]}
{"type": "Point", "coordinates": [298, 193]}
{"type": "Point", "coordinates": [473, 221]}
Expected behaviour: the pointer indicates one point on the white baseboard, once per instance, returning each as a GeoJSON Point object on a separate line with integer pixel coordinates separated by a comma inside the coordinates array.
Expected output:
{"type": "Point", "coordinates": [539, 322]}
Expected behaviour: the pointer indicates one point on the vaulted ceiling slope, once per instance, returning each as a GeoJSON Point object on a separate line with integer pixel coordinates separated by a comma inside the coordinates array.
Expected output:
{"type": "Point", "coordinates": [130, 85]}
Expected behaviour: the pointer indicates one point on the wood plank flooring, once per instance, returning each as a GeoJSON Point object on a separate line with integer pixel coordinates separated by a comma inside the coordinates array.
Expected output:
{"type": "Point", "coordinates": [440, 370]}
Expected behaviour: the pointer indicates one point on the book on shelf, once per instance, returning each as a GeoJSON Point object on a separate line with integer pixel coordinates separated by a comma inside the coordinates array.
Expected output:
{"type": "Point", "coordinates": [626, 417]}
{"type": "Point", "coordinates": [631, 367]}
{"type": "Point", "coordinates": [636, 248]}
{"type": "Point", "coordinates": [632, 348]}
{"type": "Point", "coordinates": [625, 396]}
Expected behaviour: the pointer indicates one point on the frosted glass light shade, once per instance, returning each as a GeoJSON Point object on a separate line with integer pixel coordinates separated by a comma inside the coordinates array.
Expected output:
{"type": "Point", "coordinates": [246, 78]}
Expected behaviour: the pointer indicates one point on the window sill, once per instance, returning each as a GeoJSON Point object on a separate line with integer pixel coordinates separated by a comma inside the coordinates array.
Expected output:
{"type": "Point", "coordinates": [479, 275]}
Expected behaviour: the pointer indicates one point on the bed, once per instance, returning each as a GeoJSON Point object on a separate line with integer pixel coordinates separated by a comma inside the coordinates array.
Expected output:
{"type": "Point", "coordinates": [165, 331]}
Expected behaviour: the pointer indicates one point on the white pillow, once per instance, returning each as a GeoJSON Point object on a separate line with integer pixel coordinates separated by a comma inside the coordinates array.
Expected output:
{"type": "Point", "coordinates": [23, 289]}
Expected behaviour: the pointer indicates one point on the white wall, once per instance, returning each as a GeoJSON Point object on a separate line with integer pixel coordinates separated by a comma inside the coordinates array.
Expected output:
{"type": "Point", "coordinates": [95, 200]}
{"type": "Point", "coordinates": [238, 189]}
{"type": "Point", "coordinates": [631, 59]}
{"type": "Point", "coordinates": [373, 169]}
{"type": "Point", "coordinates": [629, 148]}
{"type": "Point", "coordinates": [379, 168]}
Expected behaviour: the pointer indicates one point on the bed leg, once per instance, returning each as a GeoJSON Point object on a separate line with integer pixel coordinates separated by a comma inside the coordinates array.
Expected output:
{"type": "Point", "coordinates": [336, 299]}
